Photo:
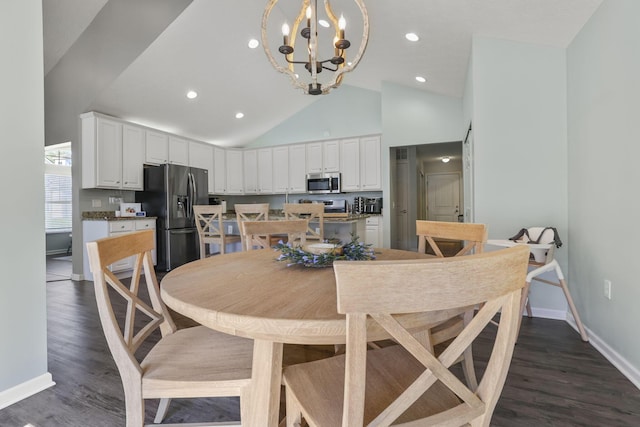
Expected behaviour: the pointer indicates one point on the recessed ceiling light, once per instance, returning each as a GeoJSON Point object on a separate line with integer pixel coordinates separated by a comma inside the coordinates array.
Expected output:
{"type": "Point", "coordinates": [192, 94]}
{"type": "Point", "coordinates": [239, 115]}
{"type": "Point", "coordinates": [446, 159]}
{"type": "Point", "coordinates": [253, 43]}
{"type": "Point", "coordinates": [323, 23]}
{"type": "Point", "coordinates": [412, 37]}
{"type": "Point", "coordinates": [421, 79]}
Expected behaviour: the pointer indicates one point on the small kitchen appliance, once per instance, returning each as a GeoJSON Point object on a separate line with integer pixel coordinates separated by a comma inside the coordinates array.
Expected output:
{"type": "Point", "coordinates": [323, 183]}
{"type": "Point", "coordinates": [373, 205]}
{"type": "Point", "coordinates": [335, 206]}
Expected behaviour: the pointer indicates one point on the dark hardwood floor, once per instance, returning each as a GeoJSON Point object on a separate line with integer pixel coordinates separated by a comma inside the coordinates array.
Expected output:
{"type": "Point", "coordinates": [555, 379]}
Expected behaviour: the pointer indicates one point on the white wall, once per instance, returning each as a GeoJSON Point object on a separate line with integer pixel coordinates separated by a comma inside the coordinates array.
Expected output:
{"type": "Point", "coordinates": [23, 328]}
{"type": "Point", "coordinates": [346, 111]}
{"type": "Point", "coordinates": [520, 145]}
{"type": "Point", "coordinates": [603, 91]}
{"type": "Point", "coordinates": [412, 117]}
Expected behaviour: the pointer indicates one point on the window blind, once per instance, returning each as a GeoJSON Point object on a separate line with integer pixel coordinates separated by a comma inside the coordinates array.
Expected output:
{"type": "Point", "coordinates": [57, 204]}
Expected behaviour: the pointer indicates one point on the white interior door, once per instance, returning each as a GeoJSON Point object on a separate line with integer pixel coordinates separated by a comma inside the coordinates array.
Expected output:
{"type": "Point", "coordinates": [443, 197]}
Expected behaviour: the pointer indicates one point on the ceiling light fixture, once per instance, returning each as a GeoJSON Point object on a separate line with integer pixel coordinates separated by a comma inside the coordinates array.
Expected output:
{"type": "Point", "coordinates": [421, 79]}
{"type": "Point", "coordinates": [446, 159]}
{"type": "Point", "coordinates": [310, 49]}
{"type": "Point", "coordinates": [253, 43]}
{"type": "Point", "coordinates": [239, 115]}
{"type": "Point", "coordinates": [412, 37]}
{"type": "Point", "coordinates": [192, 94]}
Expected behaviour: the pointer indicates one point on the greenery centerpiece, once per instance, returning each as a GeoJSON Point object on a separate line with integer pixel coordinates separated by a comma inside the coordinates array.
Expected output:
{"type": "Point", "coordinates": [324, 254]}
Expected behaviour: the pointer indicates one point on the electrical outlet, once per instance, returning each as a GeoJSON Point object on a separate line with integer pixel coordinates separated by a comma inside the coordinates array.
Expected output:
{"type": "Point", "coordinates": [607, 288]}
{"type": "Point", "coordinates": [229, 229]}
{"type": "Point", "coordinates": [96, 203]}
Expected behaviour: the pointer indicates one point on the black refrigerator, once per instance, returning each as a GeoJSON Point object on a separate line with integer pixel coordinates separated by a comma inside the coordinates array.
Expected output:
{"type": "Point", "coordinates": [170, 191]}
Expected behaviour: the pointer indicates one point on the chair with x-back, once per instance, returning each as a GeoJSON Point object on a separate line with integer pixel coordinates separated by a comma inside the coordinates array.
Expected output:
{"type": "Point", "coordinates": [186, 363]}
{"type": "Point", "coordinates": [406, 383]}
{"type": "Point", "coordinates": [209, 223]}
{"type": "Point", "coordinates": [257, 234]}
{"type": "Point", "coordinates": [466, 238]}
{"type": "Point", "coordinates": [312, 212]}
{"type": "Point", "coordinates": [250, 212]}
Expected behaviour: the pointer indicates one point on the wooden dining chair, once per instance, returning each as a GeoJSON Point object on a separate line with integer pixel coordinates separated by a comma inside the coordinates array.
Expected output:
{"type": "Point", "coordinates": [258, 233]}
{"type": "Point", "coordinates": [466, 238]}
{"type": "Point", "coordinates": [313, 212]}
{"type": "Point", "coordinates": [187, 363]}
{"type": "Point", "coordinates": [211, 228]}
{"type": "Point", "coordinates": [250, 212]}
{"type": "Point", "coordinates": [406, 383]}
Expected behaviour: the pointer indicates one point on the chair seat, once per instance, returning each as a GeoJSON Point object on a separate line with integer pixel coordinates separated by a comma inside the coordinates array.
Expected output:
{"type": "Point", "coordinates": [175, 366]}
{"type": "Point", "coordinates": [389, 371]}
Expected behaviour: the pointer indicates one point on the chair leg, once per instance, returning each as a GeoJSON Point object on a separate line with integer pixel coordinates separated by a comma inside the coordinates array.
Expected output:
{"type": "Point", "coordinates": [134, 404]}
{"type": "Point", "coordinates": [293, 412]}
{"type": "Point", "coordinates": [574, 311]}
{"type": "Point", "coordinates": [163, 408]}
{"type": "Point", "coordinates": [468, 367]}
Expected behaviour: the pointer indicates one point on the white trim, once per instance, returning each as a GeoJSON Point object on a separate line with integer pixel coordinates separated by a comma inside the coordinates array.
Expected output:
{"type": "Point", "coordinates": [627, 369]}
{"type": "Point", "coordinates": [77, 277]}
{"type": "Point", "coordinates": [617, 360]}
{"type": "Point", "coordinates": [546, 313]}
{"type": "Point", "coordinates": [26, 389]}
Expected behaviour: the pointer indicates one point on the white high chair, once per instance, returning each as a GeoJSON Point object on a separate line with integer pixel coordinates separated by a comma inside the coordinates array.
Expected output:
{"type": "Point", "coordinates": [542, 242]}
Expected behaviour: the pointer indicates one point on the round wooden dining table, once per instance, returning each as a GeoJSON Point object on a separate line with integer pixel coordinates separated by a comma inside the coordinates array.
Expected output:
{"type": "Point", "coordinates": [251, 294]}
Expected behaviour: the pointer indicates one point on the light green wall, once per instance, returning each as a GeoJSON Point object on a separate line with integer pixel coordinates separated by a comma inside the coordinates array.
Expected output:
{"type": "Point", "coordinates": [520, 145]}
{"type": "Point", "coordinates": [23, 328]}
{"type": "Point", "coordinates": [603, 92]}
{"type": "Point", "coordinates": [346, 111]}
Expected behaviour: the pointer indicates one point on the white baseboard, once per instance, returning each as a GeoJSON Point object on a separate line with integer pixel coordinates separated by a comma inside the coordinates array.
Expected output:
{"type": "Point", "coordinates": [77, 277]}
{"type": "Point", "coordinates": [627, 369]}
{"type": "Point", "coordinates": [25, 389]}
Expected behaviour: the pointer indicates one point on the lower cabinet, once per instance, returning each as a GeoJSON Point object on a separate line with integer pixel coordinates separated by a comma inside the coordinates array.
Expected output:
{"type": "Point", "coordinates": [373, 231]}
{"type": "Point", "coordinates": [98, 229]}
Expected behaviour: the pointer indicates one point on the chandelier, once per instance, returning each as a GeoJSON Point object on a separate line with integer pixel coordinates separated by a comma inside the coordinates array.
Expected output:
{"type": "Point", "coordinates": [315, 62]}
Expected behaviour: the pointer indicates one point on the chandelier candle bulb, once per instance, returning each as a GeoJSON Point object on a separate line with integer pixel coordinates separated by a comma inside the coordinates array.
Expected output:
{"type": "Point", "coordinates": [285, 34]}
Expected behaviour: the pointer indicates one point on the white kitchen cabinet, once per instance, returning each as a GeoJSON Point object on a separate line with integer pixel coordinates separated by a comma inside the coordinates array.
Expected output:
{"type": "Point", "coordinates": [350, 164]}
{"type": "Point", "coordinates": [108, 162]}
{"type": "Point", "coordinates": [219, 170]}
{"type": "Point", "coordinates": [201, 156]}
{"type": "Point", "coordinates": [265, 170]}
{"type": "Point", "coordinates": [133, 139]}
{"type": "Point", "coordinates": [157, 147]}
{"type": "Point", "coordinates": [281, 169]}
{"type": "Point", "coordinates": [314, 157]}
{"type": "Point", "coordinates": [373, 231]}
{"type": "Point", "coordinates": [297, 169]}
{"type": "Point", "coordinates": [370, 164]}
{"type": "Point", "coordinates": [109, 159]}
{"type": "Point", "coordinates": [331, 156]}
{"type": "Point", "coordinates": [98, 229]}
{"type": "Point", "coordinates": [234, 172]}
{"type": "Point", "coordinates": [178, 151]}
{"type": "Point", "coordinates": [250, 162]}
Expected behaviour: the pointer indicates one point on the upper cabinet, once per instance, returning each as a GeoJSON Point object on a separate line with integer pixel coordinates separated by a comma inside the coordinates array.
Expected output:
{"type": "Point", "coordinates": [250, 164]}
{"type": "Point", "coordinates": [178, 151]}
{"type": "Point", "coordinates": [201, 156]}
{"type": "Point", "coordinates": [360, 164]}
{"type": "Point", "coordinates": [106, 163]}
{"type": "Point", "coordinates": [281, 169]}
{"type": "Point", "coordinates": [265, 170]}
{"type": "Point", "coordinates": [234, 172]}
{"type": "Point", "coordinates": [297, 169]}
{"type": "Point", "coordinates": [220, 170]}
{"type": "Point", "coordinates": [370, 164]}
{"type": "Point", "coordinates": [350, 164]}
{"type": "Point", "coordinates": [157, 147]}
{"type": "Point", "coordinates": [133, 141]}
{"type": "Point", "coordinates": [323, 157]}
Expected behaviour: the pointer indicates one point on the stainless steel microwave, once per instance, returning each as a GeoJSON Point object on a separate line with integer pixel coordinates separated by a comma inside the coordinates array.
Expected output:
{"type": "Point", "coordinates": [323, 183]}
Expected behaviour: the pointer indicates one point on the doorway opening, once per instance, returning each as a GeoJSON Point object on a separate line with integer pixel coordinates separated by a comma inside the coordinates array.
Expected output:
{"type": "Point", "coordinates": [424, 187]}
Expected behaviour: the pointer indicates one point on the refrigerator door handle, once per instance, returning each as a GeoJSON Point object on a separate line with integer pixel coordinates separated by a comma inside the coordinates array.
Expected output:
{"type": "Point", "coordinates": [191, 195]}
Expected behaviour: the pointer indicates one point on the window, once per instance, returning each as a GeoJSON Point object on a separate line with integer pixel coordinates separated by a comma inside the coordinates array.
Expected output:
{"type": "Point", "coordinates": [57, 187]}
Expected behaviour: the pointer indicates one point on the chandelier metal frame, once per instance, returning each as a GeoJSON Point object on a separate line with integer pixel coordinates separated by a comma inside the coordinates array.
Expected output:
{"type": "Point", "coordinates": [310, 32]}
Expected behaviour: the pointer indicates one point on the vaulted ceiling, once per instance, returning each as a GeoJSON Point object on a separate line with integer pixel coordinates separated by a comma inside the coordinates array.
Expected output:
{"type": "Point", "coordinates": [136, 59]}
